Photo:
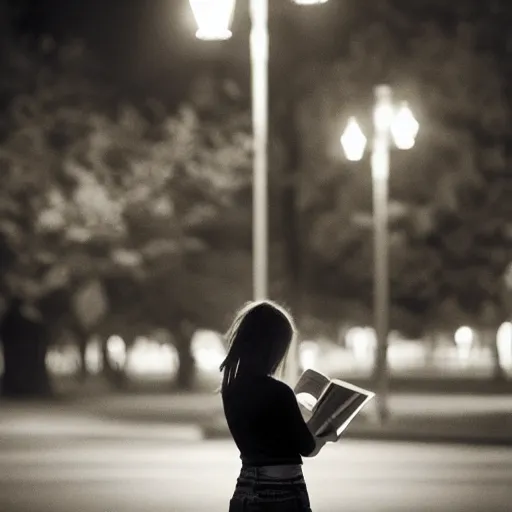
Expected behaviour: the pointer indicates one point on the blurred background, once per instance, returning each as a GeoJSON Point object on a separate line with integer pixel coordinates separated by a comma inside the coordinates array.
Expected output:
{"type": "Point", "coordinates": [126, 244]}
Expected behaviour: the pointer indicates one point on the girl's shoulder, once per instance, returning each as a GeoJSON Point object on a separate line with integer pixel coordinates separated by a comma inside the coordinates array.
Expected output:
{"type": "Point", "coordinates": [279, 385]}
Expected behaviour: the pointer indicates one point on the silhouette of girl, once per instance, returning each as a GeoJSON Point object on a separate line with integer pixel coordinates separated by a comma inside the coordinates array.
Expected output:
{"type": "Point", "coordinates": [263, 414]}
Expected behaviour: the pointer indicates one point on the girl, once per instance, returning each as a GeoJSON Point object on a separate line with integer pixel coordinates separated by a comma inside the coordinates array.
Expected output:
{"type": "Point", "coordinates": [263, 414]}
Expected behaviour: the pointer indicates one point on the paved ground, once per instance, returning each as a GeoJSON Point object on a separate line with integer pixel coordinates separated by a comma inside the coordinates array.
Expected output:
{"type": "Point", "coordinates": [476, 418]}
{"type": "Point", "coordinates": [439, 418]}
{"type": "Point", "coordinates": [92, 466]}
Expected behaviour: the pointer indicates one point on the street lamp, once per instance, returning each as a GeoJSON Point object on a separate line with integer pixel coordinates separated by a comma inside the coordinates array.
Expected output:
{"type": "Point", "coordinates": [213, 18]}
{"type": "Point", "coordinates": [401, 126]}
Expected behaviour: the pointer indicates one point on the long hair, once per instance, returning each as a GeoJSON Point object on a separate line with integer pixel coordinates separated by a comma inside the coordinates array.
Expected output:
{"type": "Point", "coordinates": [258, 341]}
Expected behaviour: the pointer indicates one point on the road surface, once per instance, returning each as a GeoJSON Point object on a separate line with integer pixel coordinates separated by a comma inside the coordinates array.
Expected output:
{"type": "Point", "coordinates": [146, 473]}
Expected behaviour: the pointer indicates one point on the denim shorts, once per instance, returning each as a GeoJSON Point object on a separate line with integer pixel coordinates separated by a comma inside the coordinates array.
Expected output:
{"type": "Point", "coordinates": [270, 489]}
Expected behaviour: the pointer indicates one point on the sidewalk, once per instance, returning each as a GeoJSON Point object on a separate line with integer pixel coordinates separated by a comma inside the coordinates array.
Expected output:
{"type": "Point", "coordinates": [33, 422]}
{"type": "Point", "coordinates": [441, 418]}
{"type": "Point", "coordinates": [192, 416]}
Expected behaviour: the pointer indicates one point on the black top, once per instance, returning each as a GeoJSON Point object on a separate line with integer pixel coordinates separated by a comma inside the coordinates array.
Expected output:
{"type": "Point", "coordinates": [265, 421]}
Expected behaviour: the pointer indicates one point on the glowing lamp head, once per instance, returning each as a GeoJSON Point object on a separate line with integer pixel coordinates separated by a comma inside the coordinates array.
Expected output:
{"type": "Point", "coordinates": [404, 128]}
{"type": "Point", "coordinates": [353, 141]}
{"type": "Point", "coordinates": [213, 18]}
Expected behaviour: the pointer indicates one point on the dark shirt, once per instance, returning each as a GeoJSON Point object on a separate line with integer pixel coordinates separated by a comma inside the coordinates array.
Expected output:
{"type": "Point", "coordinates": [265, 421]}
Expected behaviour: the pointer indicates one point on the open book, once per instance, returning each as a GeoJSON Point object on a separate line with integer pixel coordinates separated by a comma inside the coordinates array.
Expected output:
{"type": "Point", "coordinates": [329, 403]}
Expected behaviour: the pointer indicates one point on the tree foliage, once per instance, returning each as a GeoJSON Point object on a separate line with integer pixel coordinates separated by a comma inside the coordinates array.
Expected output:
{"type": "Point", "coordinates": [91, 192]}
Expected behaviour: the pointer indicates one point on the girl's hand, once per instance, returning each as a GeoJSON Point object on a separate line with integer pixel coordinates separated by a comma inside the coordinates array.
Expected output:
{"type": "Point", "coordinates": [329, 437]}
{"type": "Point", "coordinates": [321, 441]}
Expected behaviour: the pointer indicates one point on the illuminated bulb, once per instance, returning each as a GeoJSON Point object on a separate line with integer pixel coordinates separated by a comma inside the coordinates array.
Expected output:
{"type": "Point", "coordinates": [213, 18]}
{"type": "Point", "coordinates": [353, 141]}
{"type": "Point", "coordinates": [404, 128]}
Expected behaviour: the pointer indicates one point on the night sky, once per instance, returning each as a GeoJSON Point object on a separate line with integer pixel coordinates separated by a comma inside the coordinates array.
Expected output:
{"type": "Point", "coordinates": [149, 45]}
{"type": "Point", "coordinates": [143, 44]}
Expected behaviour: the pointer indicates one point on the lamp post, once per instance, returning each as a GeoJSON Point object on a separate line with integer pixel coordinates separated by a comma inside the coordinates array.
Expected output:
{"type": "Point", "coordinates": [401, 126]}
{"type": "Point", "coordinates": [213, 18]}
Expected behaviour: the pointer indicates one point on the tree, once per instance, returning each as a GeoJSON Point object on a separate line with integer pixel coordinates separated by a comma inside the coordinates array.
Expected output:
{"type": "Point", "coordinates": [30, 157]}
{"type": "Point", "coordinates": [92, 194]}
{"type": "Point", "coordinates": [189, 276]}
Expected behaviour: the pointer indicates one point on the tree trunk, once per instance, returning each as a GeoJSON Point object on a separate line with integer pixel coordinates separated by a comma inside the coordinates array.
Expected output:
{"type": "Point", "coordinates": [186, 377]}
{"type": "Point", "coordinates": [83, 372]}
{"type": "Point", "coordinates": [431, 339]}
{"type": "Point", "coordinates": [25, 343]}
{"type": "Point", "coordinates": [114, 375]}
{"type": "Point", "coordinates": [81, 338]}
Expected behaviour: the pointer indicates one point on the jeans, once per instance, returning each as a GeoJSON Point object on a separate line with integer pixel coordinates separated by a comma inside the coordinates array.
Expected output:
{"type": "Point", "coordinates": [270, 489]}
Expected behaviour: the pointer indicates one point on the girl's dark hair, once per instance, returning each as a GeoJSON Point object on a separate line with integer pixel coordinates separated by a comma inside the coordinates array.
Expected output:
{"type": "Point", "coordinates": [258, 341]}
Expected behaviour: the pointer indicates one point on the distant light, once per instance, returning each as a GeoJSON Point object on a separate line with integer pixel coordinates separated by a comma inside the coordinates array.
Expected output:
{"type": "Point", "coordinates": [404, 128]}
{"type": "Point", "coordinates": [464, 340]}
{"type": "Point", "coordinates": [504, 343]}
{"type": "Point", "coordinates": [310, 2]}
{"type": "Point", "coordinates": [150, 357]}
{"type": "Point", "coordinates": [116, 345]}
{"type": "Point", "coordinates": [93, 356]}
{"type": "Point", "coordinates": [361, 340]}
{"type": "Point", "coordinates": [207, 349]}
{"type": "Point", "coordinates": [213, 18]}
{"type": "Point", "coordinates": [116, 349]}
{"type": "Point", "coordinates": [308, 354]}
{"type": "Point", "coordinates": [464, 336]}
{"type": "Point", "coordinates": [353, 141]}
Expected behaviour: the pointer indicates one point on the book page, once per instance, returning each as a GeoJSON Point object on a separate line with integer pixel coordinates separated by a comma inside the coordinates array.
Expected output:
{"type": "Point", "coordinates": [353, 387]}
{"type": "Point", "coordinates": [307, 403]}
{"type": "Point", "coordinates": [351, 416]}
{"type": "Point", "coordinates": [337, 406]}
{"type": "Point", "coordinates": [312, 383]}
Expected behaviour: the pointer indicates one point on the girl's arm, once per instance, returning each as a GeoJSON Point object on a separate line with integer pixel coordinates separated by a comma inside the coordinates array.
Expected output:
{"type": "Point", "coordinates": [330, 437]}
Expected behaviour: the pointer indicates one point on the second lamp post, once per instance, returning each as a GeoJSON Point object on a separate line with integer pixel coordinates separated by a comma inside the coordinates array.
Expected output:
{"type": "Point", "coordinates": [400, 126]}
